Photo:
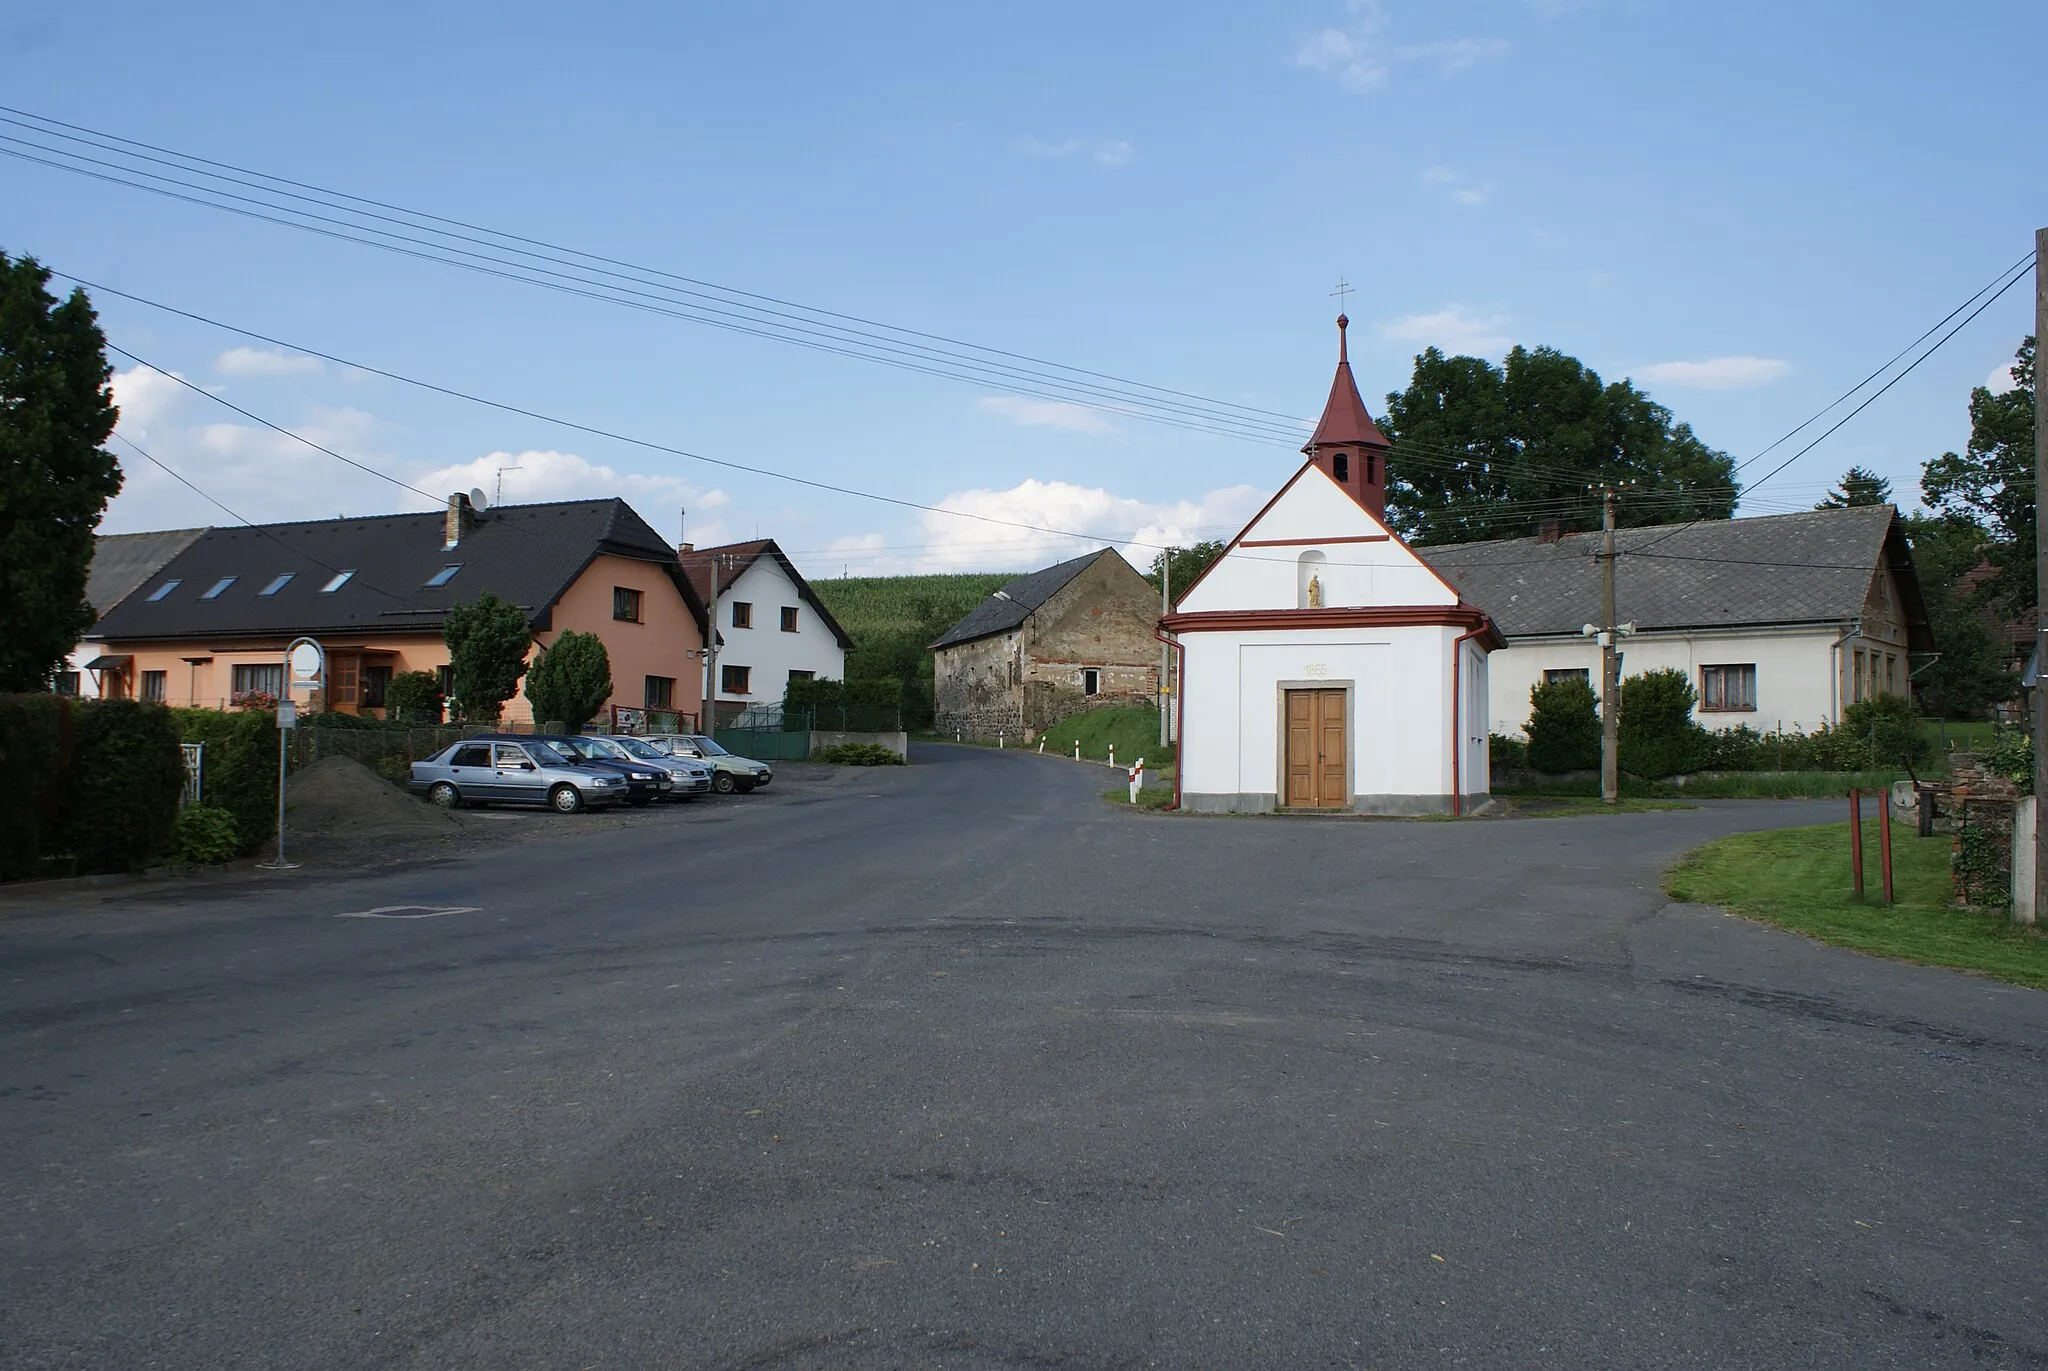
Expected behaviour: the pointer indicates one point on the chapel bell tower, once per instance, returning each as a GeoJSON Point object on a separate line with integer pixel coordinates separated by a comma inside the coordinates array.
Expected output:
{"type": "Point", "coordinates": [1347, 445]}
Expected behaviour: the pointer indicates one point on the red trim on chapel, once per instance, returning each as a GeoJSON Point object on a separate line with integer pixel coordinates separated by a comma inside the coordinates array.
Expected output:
{"type": "Point", "coordinates": [1460, 615]}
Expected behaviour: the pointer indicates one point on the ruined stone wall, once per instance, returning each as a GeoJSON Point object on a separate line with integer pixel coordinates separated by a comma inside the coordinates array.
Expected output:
{"type": "Point", "coordinates": [977, 690]}
{"type": "Point", "coordinates": [1103, 620]}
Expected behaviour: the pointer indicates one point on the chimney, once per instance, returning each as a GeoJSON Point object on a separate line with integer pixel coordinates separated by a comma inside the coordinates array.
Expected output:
{"type": "Point", "coordinates": [685, 549]}
{"type": "Point", "coordinates": [1550, 531]}
{"type": "Point", "coordinates": [461, 519]}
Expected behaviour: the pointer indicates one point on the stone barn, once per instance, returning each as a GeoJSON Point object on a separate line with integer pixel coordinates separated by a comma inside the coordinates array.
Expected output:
{"type": "Point", "coordinates": [1071, 637]}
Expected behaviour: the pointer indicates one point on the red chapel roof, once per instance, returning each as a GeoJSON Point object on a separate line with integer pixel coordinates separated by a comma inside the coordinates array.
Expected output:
{"type": "Point", "coordinates": [1344, 417]}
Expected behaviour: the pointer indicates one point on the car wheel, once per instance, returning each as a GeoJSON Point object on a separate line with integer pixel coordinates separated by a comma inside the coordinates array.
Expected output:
{"type": "Point", "coordinates": [745, 787]}
{"type": "Point", "coordinates": [565, 799]}
{"type": "Point", "coordinates": [724, 784]}
{"type": "Point", "coordinates": [444, 796]}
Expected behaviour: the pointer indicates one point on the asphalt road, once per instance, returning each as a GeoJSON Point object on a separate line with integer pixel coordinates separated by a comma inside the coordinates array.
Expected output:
{"type": "Point", "coordinates": [956, 1066]}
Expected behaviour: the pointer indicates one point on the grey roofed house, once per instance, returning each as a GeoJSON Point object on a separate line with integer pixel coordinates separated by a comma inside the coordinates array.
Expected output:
{"type": "Point", "coordinates": [527, 554]}
{"type": "Point", "coordinates": [1012, 604]}
{"type": "Point", "coordinates": [1782, 569]}
{"type": "Point", "coordinates": [123, 561]}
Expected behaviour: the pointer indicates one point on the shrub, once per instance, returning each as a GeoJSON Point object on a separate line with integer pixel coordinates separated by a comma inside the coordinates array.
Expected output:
{"type": "Point", "coordinates": [205, 836]}
{"type": "Point", "coordinates": [127, 775]}
{"type": "Point", "coordinates": [2011, 755]}
{"type": "Point", "coordinates": [487, 642]}
{"type": "Point", "coordinates": [1890, 727]}
{"type": "Point", "coordinates": [570, 680]}
{"type": "Point", "coordinates": [1656, 732]}
{"type": "Point", "coordinates": [35, 756]}
{"type": "Point", "coordinates": [1564, 727]}
{"type": "Point", "coordinates": [874, 705]}
{"type": "Point", "coordinates": [413, 697]}
{"type": "Point", "coordinates": [1503, 751]}
{"type": "Point", "coordinates": [238, 770]}
{"type": "Point", "coordinates": [858, 754]}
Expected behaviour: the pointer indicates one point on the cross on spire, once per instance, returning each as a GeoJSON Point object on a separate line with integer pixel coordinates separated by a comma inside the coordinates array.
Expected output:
{"type": "Point", "coordinates": [1342, 292]}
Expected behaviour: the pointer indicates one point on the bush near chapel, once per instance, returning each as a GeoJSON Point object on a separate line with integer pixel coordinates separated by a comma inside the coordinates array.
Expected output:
{"type": "Point", "coordinates": [1564, 727]}
{"type": "Point", "coordinates": [1656, 732]}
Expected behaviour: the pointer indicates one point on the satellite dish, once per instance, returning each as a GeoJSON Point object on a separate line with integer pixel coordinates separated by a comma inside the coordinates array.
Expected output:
{"type": "Point", "coordinates": [477, 500]}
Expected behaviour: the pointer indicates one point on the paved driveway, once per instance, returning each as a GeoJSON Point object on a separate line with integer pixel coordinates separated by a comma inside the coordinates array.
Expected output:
{"type": "Point", "coordinates": [956, 1066]}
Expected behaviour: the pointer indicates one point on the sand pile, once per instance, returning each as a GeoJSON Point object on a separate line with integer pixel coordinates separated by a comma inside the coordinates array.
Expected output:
{"type": "Point", "coordinates": [340, 799]}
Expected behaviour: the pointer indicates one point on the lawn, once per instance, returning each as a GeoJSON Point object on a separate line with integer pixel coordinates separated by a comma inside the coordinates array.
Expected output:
{"type": "Point", "coordinates": [1736, 785]}
{"type": "Point", "coordinates": [1798, 878]}
{"type": "Point", "coordinates": [1132, 729]}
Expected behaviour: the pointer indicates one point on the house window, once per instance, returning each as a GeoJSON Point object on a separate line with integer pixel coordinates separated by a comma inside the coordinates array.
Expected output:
{"type": "Point", "coordinates": [166, 588]}
{"type": "Point", "coordinates": [796, 675]}
{"type": "Point", "coordinates": [661, 692]}
{"type": "Point", "coordinates": [156, 686]}
{"type": "Point", "coordinates": [788, 619]}
{"type": "Point", "coordinates": [444, 575]}
{"type": "Point", "coordinates": [1091, 681]}
{"type": "Point", "coordinates": [1728, 687]}
{"type": "Point", "coordinates": [375, 679]}
{"type": "Point", "coordinates": [339, 580]}
{"type": "Point", "coordinates": [626, 604]}
{"type": "Point", "coordinates": [66, 683]}
{"type": "Point", "coordinates": [1859, 683]}
{"type": "Point", "coordinates": [1583, 675]}
{"type": "Point", "coordinates": [277, 583]}
{"type": "Point", "coordinates": [222, 584]}
{"type": "Point", "coordinates": [1340, 466]}
{"type": "Point", "coordinates": [742, 614]}
{"type": "Point", "coordinates": [733, 680]}
{"type": "Point", "coordinates": [259, 678]}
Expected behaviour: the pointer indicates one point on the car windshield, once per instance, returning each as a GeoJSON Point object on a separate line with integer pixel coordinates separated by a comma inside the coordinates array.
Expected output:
{"type": "Point", "coordinates": [575, 747]}
{"type": "Point", "coordinates": [603, 747]}
{"type": "Point", "coordinates": [636, 748]}
{"type": "Point", "coordinates": [709, 748]}
{"type": "Point", "coordinates": [551, 753]}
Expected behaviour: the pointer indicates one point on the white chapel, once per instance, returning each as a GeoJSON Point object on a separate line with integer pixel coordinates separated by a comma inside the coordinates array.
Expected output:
{"type": "Point", "coordinates": [1324, 665]}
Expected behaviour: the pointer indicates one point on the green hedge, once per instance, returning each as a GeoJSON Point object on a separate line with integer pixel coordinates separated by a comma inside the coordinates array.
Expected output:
{"type": "Point", "coordinates": [35, 756]}
{"type": "Point", "coordinates": [239, 771]}
{"type": "Point", "coordinates": [866, 706]}
{"type": "Point", "coordinates": [85, 785]}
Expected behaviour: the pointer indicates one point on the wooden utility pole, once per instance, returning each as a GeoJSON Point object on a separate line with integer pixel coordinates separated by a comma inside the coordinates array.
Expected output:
{"type": "Point", "coordinates": [707, 722]}
{"type": "Point", "coordinates": [1165, 652]}
{"type": "Point", "coordinates": [1610, 661]}
{"type": "Point", "coordinates": [2040, 584]}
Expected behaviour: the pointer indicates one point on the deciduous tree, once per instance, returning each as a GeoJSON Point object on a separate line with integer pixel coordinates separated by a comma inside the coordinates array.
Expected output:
{"type": "Point", "coordinates": [1188, 563]}
{"type": "Point", "coordinates": [1991, 483]}
{"type": "Point", "coordinates": [56, 411]}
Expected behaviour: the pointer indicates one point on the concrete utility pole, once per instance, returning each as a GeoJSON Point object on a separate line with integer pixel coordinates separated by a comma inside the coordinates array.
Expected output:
{"type": "Point", "coordinates": [2040, 584]}
{"type": "Point", "coordinates": [1610, 662]}
{"type": "Point", "coordinates": [1165, 652]}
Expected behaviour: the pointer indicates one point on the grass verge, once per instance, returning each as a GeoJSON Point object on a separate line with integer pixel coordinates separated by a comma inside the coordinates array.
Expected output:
{"type": "Point", "coordinates": [1557, 807]}
{"type": "Point", "coordinates": [1798, 878]}
{"type": "Point", "coordinates": [1734, 785]}
{"type": "Point", "coordinates": [1132, 729]}
{"type": "Point", "coordinates": [1151, 797]}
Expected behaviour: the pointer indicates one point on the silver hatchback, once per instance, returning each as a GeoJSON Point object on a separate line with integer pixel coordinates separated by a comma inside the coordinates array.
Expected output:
{"type": "Point", "coordinates": [499, 772]}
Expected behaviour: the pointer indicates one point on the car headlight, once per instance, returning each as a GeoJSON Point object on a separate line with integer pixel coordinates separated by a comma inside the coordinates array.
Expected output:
{"type": "Point", "coordinates": [600, 782]}
{"type": "Point", "coordinates": [643, 775]}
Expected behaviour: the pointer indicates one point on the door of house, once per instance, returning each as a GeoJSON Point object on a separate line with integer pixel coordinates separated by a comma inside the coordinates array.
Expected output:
{"type": "Point", "coordinates": [1317, 749]}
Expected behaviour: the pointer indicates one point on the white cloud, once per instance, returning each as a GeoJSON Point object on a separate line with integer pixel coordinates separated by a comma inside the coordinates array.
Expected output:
{"type": "Point", "coordinates": [145, 396]}
{"type": "Point", "coordinates": [1454, 329]}
{"type": "Point", "coordinates": [1713, 373]}
{"type": "Point", "coordinates": [1046, 413]}
{"type": "Point", "coordinates": [266, 362]}
{"type": "Point", "coordinates": [1457, 187]}
{"type": "Point", "coordinates": [1348, 55]}
{"type": "Point", "coordinates": [1439, 176]}
{"type": "Point", "coordinates": [1104, 152]}
{"type": "Point", "coordinates": [1453, 54]}
{"type": "Point", "coordinates": [535, 477]}
{"type": "Point", "coordinates": [2000, 380]}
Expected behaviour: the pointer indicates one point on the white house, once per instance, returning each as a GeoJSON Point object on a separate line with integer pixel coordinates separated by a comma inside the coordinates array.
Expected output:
{"type": "Point", "coordinates": [1324, 665]}
{"type": "Point", "coordinates": [771, 626]}
{"type": "Point", "coordinates": [1779, 622]}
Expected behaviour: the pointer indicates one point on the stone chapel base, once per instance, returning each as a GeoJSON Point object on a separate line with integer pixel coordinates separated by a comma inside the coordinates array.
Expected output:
{"type": "Point", "coordinates": [1390, 806]}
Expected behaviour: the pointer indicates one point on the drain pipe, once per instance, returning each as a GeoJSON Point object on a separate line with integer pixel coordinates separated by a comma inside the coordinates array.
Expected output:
{"type": "Point", "coordinates": [1180, 707]}
{"type": "Point", "coordinates": [1853, 629]}
{"type": "Point", "coordinates": [1458, 721]}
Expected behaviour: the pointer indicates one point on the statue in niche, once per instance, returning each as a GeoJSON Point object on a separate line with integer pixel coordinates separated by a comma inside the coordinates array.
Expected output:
{"type": "Point", "coordinates": [1315, 592]}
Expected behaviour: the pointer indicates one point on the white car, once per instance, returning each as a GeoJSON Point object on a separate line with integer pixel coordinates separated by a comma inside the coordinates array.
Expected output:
{"type": "Point", "coordinates": [692, 777]}
{"type": "Point", "coordinates": [729, 771]}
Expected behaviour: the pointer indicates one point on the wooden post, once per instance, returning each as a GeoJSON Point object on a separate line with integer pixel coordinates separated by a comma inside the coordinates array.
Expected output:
{"type": "Point", "coordinates": [2040, 580]}
{"type": "Point", "coordinates": [1884, 841]}
{"type": "Point", "coordinates": [1610, 663]}
{"type": "Point", "coordinates": [1856, 838]}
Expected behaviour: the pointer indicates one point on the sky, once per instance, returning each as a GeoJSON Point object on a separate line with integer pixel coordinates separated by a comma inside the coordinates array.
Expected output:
{"type": "Point", "coordinates": [1744, 207]}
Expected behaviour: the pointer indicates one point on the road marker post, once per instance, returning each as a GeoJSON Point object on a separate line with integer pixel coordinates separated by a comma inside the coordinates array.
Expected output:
{"type": "Point", "coordinates": [1137, 779]}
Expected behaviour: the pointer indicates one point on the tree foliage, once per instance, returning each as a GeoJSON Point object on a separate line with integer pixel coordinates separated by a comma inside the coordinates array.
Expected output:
{"type": "Point", "coordinates": [570, 681]}
{"type": "Point", "coordinates": [413, 697]}
{"type": "Point", "coordinates": [1484, 451]}
{"type": "Point", "coordinates": [1991, 483]}
{"type": "Point", "coordinates": [56, 411]}
{"type": "Point", "coordinates": [487, 641]}
{"type": "Point", "coordinates": [1657, 735]}
{"type": "Point", "coordinates": [1564, 727]}
{"type": "Point", "coordinates": [1858, 487]}
{"type": "Point", "coordinates": [1187, 563]}
{"type": "Point", "coordinates": [1971, 672]}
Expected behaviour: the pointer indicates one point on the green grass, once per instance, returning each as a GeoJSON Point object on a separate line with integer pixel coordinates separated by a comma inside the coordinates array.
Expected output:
{"type": "Point", "coordinates": [1798, 878]}
{"type": "Point", "coordinates": [1554, 807]}
{"type": "Point", "coordinates": [1150, 797]}
{"type": "Point", "coordinates": [1739, 785]}
{"type": "Point", "coordinates": [1134, 730]}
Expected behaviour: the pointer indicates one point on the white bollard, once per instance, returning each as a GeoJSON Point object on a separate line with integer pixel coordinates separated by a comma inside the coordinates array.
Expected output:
{"type": "Point", "coordinates": [1137, 779]}
{"type": "Point", "coordinates": [1041, 747]}
{"type": "Point", "coordinates": [1112, 754]}
{"type": "Point", "coordinates": [1077, 749]}
{"type": "Point", "coordinates": [999, 740]}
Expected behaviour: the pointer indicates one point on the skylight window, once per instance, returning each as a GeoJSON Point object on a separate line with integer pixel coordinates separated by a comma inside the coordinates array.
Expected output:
{"type": "Point", "coordinates": [218, 586]}
{"type": "Point", "coordinates": [276, 585]}
{"type": "Point", "coordinates": [340, 580]}
{"type": "Point", "coordinates": [166, 588]}
{"type": "Point", "coordinates": [444, 575]}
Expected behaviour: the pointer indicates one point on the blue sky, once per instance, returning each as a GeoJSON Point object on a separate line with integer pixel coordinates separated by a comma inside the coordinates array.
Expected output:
{"type": "Point", "coordinates": [1744, 206]}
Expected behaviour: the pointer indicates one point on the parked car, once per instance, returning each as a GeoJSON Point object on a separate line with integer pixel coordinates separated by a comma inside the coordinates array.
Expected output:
{"type": "Point", "coordinates": [692, 776]}
{"type": "Point", "coordinates": [513, 771]}
{"type": "Point", "coordinates": [645, 782]}
{"type": "Point", "coordinates": [729, 771]}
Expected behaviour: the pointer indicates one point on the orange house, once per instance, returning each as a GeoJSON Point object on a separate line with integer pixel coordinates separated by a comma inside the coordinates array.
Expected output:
{"type": "Point", "coordinates": [211, 627]}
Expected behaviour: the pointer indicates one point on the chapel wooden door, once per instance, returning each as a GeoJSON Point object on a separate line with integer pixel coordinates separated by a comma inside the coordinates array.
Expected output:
{"type": "Point", "coordinates": [1317, 749]}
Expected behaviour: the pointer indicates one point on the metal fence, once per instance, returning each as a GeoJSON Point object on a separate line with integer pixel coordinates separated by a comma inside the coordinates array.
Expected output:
{"type": "Point", "coordinates": [768, 734]}
{"type": "Point", "coordinates": [390, 751]}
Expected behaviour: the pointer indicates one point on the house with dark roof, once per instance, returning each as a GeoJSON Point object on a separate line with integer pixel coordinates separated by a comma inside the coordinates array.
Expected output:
{"type": "Point", "coordinates": [772, 628]}
{"type": "Point", "coordinates": [1780, 622]}
{"type": "Point", "coordinates": [211, 624]}
{"type": "Point", "coordinates": [1074, 636]}
{"type": "Point", "coordinates": [120, 563]}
